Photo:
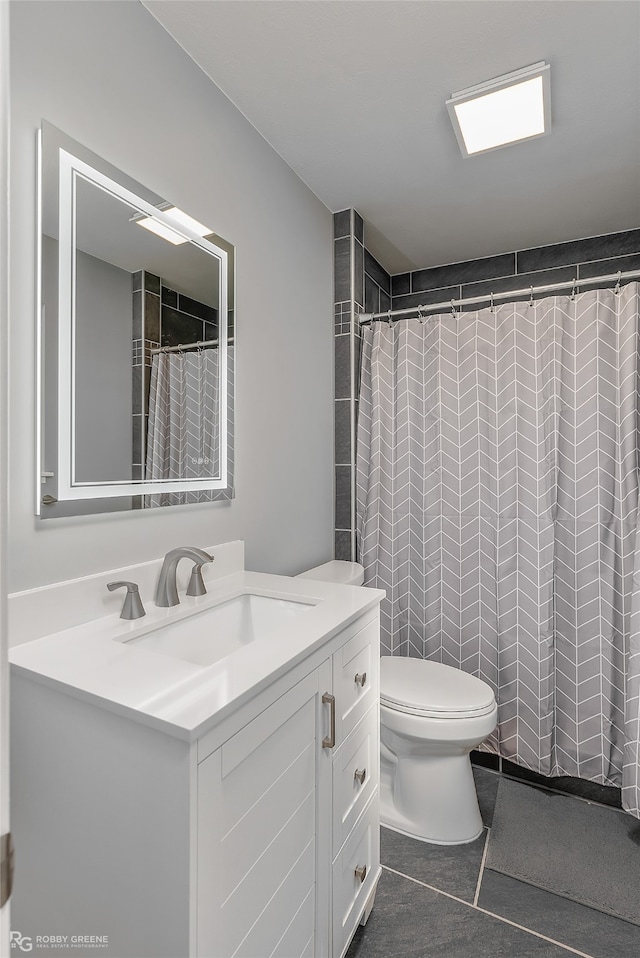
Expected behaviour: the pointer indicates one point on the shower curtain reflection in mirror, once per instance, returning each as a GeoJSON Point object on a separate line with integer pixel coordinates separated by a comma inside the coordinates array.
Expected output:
{"type": "Point", "coordinates": [183, 436]}
{"type": "Point", "coordinates": [497, 505]}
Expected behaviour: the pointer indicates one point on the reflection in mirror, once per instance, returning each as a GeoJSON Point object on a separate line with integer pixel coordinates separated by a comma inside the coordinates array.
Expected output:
{"type": "Point", "coordinates": [136, 343]}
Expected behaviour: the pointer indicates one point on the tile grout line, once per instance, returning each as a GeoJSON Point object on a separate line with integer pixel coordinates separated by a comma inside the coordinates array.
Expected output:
{"type": "Point", "coordinates": [481, 872]}
{"type": "Point", "coordinates": [491, 914]}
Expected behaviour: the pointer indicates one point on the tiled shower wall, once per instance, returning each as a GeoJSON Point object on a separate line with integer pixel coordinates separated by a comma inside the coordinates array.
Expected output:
{"type": "Point", "coordinates": [560, 263]}
{"type": "Point", "coordinates": [145, 335]}
{"type": "Point", "coordinates": [363, 285]}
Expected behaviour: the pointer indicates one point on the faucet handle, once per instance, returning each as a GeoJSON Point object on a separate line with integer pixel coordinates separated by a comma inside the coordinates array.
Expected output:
{"type": "Point", "coordinates": [133, 607]}
{"type": "Point", "coordinates": [196, 583]}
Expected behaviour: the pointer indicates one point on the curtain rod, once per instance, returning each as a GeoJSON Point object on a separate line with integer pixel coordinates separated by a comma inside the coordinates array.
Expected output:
{"type": "Point", "coordinates": [181, 346]}
{"type": "Point", "coordinates": [529, 291]}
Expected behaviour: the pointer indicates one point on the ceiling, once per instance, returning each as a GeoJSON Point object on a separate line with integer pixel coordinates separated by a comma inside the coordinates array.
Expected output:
{"type": "Point", "coordinates": [351, 93]}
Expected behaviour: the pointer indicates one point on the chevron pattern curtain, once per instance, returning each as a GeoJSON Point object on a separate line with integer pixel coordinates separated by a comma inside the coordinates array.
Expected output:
{"type": "Point", "coordinates": [183, 436]}
{"type": "Point", "coordinates": [497, 505]}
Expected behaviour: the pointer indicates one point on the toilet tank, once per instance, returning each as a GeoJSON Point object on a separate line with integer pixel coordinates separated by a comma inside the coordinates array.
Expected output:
{"type": "Point", "coordinates": [338, 571]}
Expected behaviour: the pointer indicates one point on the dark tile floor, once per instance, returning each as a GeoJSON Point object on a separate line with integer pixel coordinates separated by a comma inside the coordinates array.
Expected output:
{"type": "Point", "coordinates": [439, 901]}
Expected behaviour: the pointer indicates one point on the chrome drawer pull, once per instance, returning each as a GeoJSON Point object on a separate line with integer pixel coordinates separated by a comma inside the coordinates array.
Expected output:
{"type": "Point", "coordinates": [360, 774]}
{"type": "Point", "coordinates": [360, 679]}
{"type": "Point", "coordinates": [330, 740]}
{"type": "Point", "coordinates": [361, 872]}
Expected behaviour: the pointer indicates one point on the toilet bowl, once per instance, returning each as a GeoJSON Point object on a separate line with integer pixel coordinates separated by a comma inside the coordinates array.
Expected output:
{"type": "Point", "coordinates": [431, 717]}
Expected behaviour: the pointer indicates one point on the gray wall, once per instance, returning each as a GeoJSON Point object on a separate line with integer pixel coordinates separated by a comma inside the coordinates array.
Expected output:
{"type": "Point", "coordinates": [103, 370]}
{"type": "Point", "coordinates": [96, 444]}
{"type": "Point", "coordinates": [217, 167]}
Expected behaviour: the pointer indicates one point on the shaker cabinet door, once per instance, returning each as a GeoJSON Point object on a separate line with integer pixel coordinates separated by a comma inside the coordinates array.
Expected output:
{"type": "Point", "coordinates": [260, 814]}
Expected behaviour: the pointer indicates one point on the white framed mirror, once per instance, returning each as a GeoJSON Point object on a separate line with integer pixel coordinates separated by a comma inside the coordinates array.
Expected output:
{"type": "Point", "coordinates": [136, 343]}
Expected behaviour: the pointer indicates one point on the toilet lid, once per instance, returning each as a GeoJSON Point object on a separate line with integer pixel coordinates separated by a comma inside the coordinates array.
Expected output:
{"type": "Point", "coordinates": [422, 687]}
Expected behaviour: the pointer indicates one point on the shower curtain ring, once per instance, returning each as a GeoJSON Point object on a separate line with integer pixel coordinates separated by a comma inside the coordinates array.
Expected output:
{"type": "Point", "coordinates": [617, 286]}
{"type": "Point", "coordinates": [389, 319]}
{"type": "Point", "coordinates": [453, 309]}
{"type": "Point", "coordinates": [491, 306]}
{"type": "Point", "coordinates": [531, 296]}
{"type": "Point", "coordinates": [573, 292]}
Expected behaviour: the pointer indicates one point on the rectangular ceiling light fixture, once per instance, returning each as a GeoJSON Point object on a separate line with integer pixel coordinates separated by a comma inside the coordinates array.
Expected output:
{"type": "Point", "coordinates": [502, 111]}
{"type": "Point", "coordinates": [179, 217]}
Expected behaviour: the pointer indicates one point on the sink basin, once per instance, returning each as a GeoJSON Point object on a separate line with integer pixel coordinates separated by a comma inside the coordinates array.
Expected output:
{"type": "Point", "coordinates": [218, 631]}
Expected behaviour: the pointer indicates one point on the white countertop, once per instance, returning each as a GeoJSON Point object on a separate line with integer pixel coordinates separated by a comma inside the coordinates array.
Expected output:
{"type": "Point", "coordinates": [93, 662]}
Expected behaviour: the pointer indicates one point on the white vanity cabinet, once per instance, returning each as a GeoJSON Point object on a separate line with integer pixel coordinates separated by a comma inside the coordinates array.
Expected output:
{"type": "Point", "coordinates": [261, 817]}
{"type": "Point", "coordinates": [288, 827]}
{"type": "Point", "coordinates": [259, 837]}
{"type": "Point", "coordinates": [355, 838]}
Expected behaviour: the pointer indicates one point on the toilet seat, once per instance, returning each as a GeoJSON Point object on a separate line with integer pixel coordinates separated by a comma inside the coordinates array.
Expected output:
{"type": "Point", "coordinates": [431, 689]}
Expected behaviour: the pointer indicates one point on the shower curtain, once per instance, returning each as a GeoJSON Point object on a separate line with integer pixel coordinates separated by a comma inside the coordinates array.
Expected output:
{"type": "Point", "coordinates": [183, 435]}
{"type": "Point", "coordinates": [497, 505]}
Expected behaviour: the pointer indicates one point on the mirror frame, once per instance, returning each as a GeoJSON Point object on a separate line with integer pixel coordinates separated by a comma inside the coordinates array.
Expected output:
{"type": "Point", "coordinates": [69, 488]}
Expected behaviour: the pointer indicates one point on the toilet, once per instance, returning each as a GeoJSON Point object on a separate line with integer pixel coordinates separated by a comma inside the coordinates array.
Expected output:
{"type": "Point", "coordinates": [431, 717]}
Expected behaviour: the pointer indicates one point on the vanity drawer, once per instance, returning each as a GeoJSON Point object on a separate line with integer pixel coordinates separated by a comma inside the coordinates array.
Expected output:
{"type": "Point", "coordinates": [355, 679]}
{"type": "Point", "coordinates": [355, 774]}
{"type": "Point", "coordinates": [355, 874]}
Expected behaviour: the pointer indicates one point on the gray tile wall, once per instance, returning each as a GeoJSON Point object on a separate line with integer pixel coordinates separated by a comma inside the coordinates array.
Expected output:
{"type": "Point", "coordinates": [593, 257]}
{"type": "Point", "coordinates": [185, 320]}
{"type": "Point", "coordinates": [146, 305]}
{"type": "Point", "coordinates": [360, 284]}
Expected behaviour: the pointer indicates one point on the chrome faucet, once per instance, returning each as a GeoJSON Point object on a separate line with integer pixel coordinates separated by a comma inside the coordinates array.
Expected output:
{"type": "Point", "coordinates": [167, 590]}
